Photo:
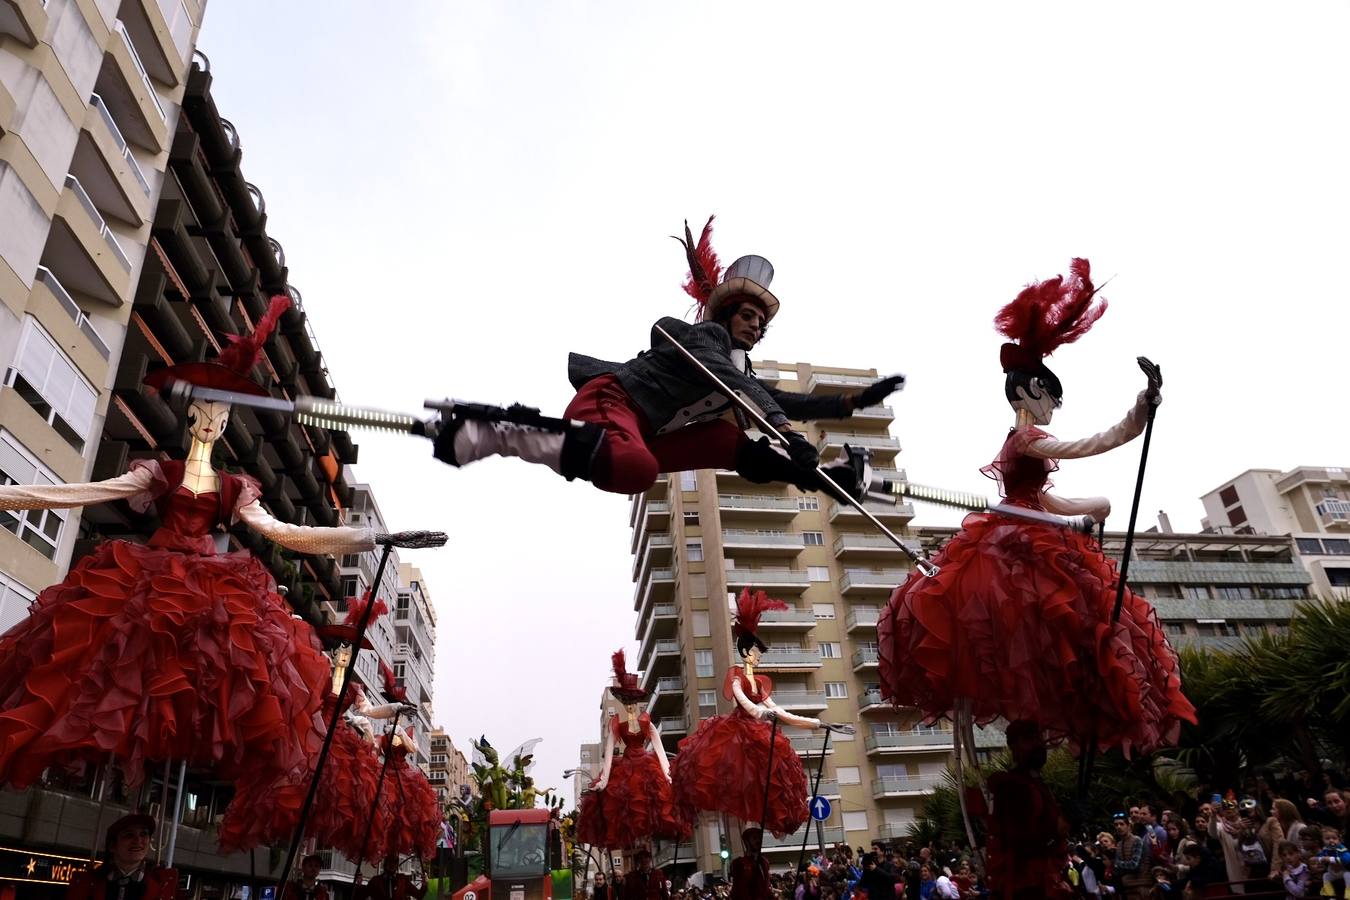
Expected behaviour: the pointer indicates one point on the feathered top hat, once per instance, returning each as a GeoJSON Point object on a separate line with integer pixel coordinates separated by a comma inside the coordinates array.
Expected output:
{"type": "Point", "coordinates": [231, 370]}
{"type": "Point", "coordinates": [625, 688]}
{"type": "Point", "coordinates": [749, 607]}
{"type": "Point", "coordinates": [1047, 315]}
{"type": "Point", "coordinates": [748, 278]}
{"type": "Point", "coordinates": [346, 632]}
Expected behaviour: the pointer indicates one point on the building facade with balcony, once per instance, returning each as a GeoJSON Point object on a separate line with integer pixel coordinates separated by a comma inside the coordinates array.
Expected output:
{"type": "Point", "coordinates": [415, 650]}
{"type": "Point", "coordinates": [699, 538]}
{"type": "Point", "coordinates": [448, 769]}
{"type": "Point", "coordinates": [90, 95]}
{"type": "Point", "coordinates": [1309, 503]}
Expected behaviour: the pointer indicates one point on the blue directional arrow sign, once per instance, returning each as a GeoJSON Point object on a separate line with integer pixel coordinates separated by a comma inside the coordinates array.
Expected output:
{"type": "Point", "coordinates": [820, 809]}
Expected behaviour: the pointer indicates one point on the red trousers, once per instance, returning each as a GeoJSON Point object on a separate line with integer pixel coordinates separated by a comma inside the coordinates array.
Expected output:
{"type": "Point", "coordinates": [631, 456]}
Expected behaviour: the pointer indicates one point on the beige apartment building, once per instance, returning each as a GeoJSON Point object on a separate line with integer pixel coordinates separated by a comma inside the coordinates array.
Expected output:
{"type": "Point", "coordinates": [89, 97]}
{"type": "Point", "coordinates": [1310, 503]}
{"type": "Point", "coordinates": [448, 770]}
{"type": "Point", "coordinates": [699, 538]}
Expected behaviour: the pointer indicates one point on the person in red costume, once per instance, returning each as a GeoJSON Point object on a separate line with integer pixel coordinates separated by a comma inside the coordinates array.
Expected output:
{"type": "Point", "coordinates": [1018, 622]}
{"type": "Point", "coordinates": [645, 882]}
{"type": "Point", "coordinates": [1027, 848]}
{"type": "Point", "coordinates": [631, 801]}
{"type": "Point", "coordinates": [723, 766]}
{"type": "Point", "coordinates": [391, 884]}
{"type": "Point", "coordinates": [750, 871]}
{"type": "Point", "coordinates": [169, 650]}
{"type": "Point", "coordinates": [308, 886]}
{"type": "Point", "coordinates": [124, 873]}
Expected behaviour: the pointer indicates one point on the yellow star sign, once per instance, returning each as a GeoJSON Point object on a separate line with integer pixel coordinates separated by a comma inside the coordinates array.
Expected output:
{"type": "Point", "coordinates": [32, 864]}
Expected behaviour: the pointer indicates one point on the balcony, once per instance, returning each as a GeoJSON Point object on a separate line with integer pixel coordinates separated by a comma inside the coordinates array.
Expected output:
{"type": "Point", "coordinates": [756, 506]}
{"type": "Point", "coordinates": [784, 660]}
{"type": "Point", "coordinates": [657, 586]}
{"type": "Point", "coordinates": [651, 516]}
{"type": "Point", "coordinates": [865, 658]}
{"type": "Point", "coordinates": [668, 695]}
{"type": "Point", "coordinates": [871, 702]}
{"type": "Point", "coordinates": [163, 31]}
{"type": "Point", "coordinates": [788, 620]}
{"type": "Point", "coordinates": [1152, 571]}
{"type": "Point", "coordinates": [864, 617]}
{"type": "Point", "coordinates": [672, 725]}
{"type": "Point", "coordinates": [657, 550]}
{"type": "Point", "coordinates": [1334, 513]}
{"type": "Point", "coordinates": [63, 299]}
{"type": "Point", "coordinates": [828, 787]}
{"type": "Point", "coordinates": [801, 701]}
{"type": "Point", "coordinates": [763, 543]}
{"type": "Point", "coordinates": [914, 786]}
{"type": "Point", "coordinates": [662, 624]}
{"type": "Point", "coordinates": [108, 170]}
{"type": "Point", "coordinates": [810, 745]}
{"type": "Point", "coordinates": [24, 20]}
{"type": "Point", "coordinates": [857, 582]}
{"type": "Point", "coordinates": [834, 834]}
{"type": "Point", "coordinates": [781, 581]}
{"type": "Point", "coordinates": [909, 742]}
{"type": "Point", "coordinates": [990, 737]}
{"type": "Point", "coordinates": [82, 252]}
{"type": "Point", "coordinates": [896, 513]}
{"type": "Point", "coordinates": [882, 446]}
{"type": "Point", "coordinates": [869, 546]}
{"type": "Point", "coordinates": [831, 383]}
{"type": "Point", "coordinates": [126, 88]}
{"type": "Point", "coordinates": [894, 831]}
{"type": "Point", "coordinates": [1209, 608]}
{"type": "Point", "coordinates": [664, 659]}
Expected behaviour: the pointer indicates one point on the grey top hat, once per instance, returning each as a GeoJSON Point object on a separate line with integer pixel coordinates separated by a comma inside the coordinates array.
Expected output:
{"type": "Point", "coordinates": [747, 278]}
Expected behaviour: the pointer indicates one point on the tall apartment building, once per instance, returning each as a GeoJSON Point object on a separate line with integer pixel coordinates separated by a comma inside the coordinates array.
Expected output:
{"type": "Point", "coordinates": [357, 578]}
{"type": "Point", "coordinates": [415, 650]}
{"type": "Point", "coordinates": [89, 97]}
{"type": "Point", "coordinates": [448, 770]}
{"type": "Point", "coordinates": [700, 537]}
{"type": "Point", "coordinates": [1309, 503]}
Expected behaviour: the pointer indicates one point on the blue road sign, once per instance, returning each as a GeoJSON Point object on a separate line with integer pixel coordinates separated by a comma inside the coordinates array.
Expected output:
{"type": "Point", "coordinates": [820, 809]}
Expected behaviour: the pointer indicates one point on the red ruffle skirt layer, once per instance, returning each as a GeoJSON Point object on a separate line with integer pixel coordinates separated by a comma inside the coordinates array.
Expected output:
{"type": "Point", "coordinates": [636, 806]}
{"type": "Point", "coordinates": [1018, 621]}
{"type": "Point", "coordinates": [411, 812]}
{"type": "Point", "coordinates": [723, 765]}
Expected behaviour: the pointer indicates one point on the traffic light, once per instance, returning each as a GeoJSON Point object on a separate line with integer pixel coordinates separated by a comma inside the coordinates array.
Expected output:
{"type": "Point", "coordinates": [726, 849]}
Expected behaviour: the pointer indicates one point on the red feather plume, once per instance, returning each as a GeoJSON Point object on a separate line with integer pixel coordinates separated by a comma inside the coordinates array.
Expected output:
{"type": "Point", "coordinates": [622, 677]}
{"type": "Point", "coordinates": [391, 687]}
{"type": "Point", "coordinates": [244, 351]}
{"type": "Point", "coordinates": [1048, 314]}
{"type": "Point", "coordinates": [749, 607]}
{"type": "Point", "coordinates": [357, 608]}
{"type": "Point", "coordinates": [705, 269]}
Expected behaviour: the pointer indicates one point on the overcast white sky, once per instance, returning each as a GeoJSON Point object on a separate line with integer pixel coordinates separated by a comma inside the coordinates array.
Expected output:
{"type": "Point", "coordinates": [468, 190]}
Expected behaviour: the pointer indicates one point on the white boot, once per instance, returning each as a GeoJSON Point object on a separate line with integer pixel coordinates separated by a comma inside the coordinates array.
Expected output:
{"type": "Point", "coordinates": [476, 440]}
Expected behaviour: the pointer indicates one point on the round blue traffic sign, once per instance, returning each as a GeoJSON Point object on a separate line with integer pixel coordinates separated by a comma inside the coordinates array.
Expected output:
{"type": "Point", "coordinates": [820, 809]}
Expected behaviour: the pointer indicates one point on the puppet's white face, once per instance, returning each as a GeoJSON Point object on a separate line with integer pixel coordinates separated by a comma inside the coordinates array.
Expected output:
{"type": "Point", "coordinates": [632, 710]}
{"type": "Point", "coordinates": [752, 655]}
{"type": "Point", "coordinates": [207, 419]}
{"type": "Point", "coordinates": [1037, 400]}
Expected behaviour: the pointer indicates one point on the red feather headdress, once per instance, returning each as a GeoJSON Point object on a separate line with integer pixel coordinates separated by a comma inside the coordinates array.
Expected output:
{"type": "Point", "coordinates": [1047, 315]}
{"type": "Point", "coordinates": [625, 687]}
{"type": "Point", "coordinates": [705, 269]}
{"type": "Point", "coordinates": [232, 369]}
{"type": "Point", "coordinates": [244, 351]}
{"type": "Point", "coordinates": [392, 689]}
{"type": "Point", "coordinates": [346, 632]}
{"type": "Point", "coordinates": [749, 607]}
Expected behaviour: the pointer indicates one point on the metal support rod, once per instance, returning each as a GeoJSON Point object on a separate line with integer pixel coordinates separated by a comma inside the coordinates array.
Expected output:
{"type": "Point", "coordinates": [333, 722]}
{"type": "Point", "coordinates": [379, 786]}
{"type": "Point", "coordinates": [163, 802]}
{"type": "Point", "coordinates": [768, 783]}
{"type": "Point", "coordinates": [102, 805]}
{"type": "Point", "coordinates": [815, 790]}
{"type": "Point", "coordinates": [177, 814]}
{"type": "Point", "coordinates": [923, 565]}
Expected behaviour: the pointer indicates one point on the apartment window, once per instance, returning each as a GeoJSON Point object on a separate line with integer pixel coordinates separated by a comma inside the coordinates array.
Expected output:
{"type": "Point", "coordinates": [14, 600]}
{"type": "Point", "coordinates": [702, 623]}
{"type": "Point", "coordinates": [688, 481]}
{"type": "Point", "coordinates": [693, 550]}
{"type": "Point", "coordinates": [808, 502]}
{"type": "Point", "coordinates": [1236, 516]}
{"type": "Point", "coordinates": [1176, 627]}
{"type": "Point", "coordinates": [829, 650]}
{"type": "Point", "coordinates": [813, 538]}
{"type": "Point", "coordinates": [1195, 591]}
{"type": "Point", "coordinates": [1228, 496]}
{"type": "Point", "coordinates": [1235, 592]}
{"type": "Point", "coordinates": [818, 573]}
{"type": "Point", "coordinates": [848, 775]}
{"type": "Point", "coordinates": [707, 698]}
{"type": "Point", "coordinates": [38, 528]}
{"type": "Point", "coordinates": [1165, 591]}
{"type": "Point", "coordinates": [350, 585]}
{"type": "Point", "coordinates": [1338, 577]}
{"type": "Point", "coordinates": [1336, 546]}
{"type": "Point", "coordinates": [703, 663]}
{"type": "Point", "coordinates": [823, 610]}
{"type": "Point", "coordinates": [1285, 592]}
{"type": "Point", "coordinates": [836, 690]}
{"type": "Point", "coordinates": [351, 560]}
{"type": "Point", "coordinates": [691, 520]}
{"type": "Point", "coordinates": [855, 821]}
{"type": "Point", "coordinates": [49, 382]}
{"type": "Point", "coordinates": [1308, 545]}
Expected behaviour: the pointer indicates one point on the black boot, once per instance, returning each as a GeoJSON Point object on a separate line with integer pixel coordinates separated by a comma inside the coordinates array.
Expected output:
{"type": "Point", "coordinates": [762, 463]}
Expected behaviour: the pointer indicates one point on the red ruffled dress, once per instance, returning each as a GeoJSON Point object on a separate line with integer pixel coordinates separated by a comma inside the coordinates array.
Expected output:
{"type": "Point", "coordinates": [723, 765]}
{"type": "Point", "coordinates": [162, 651]}
{"type": "Point", "coordinates": [1018, 621]}
{"type": "Point", "coordinates": [638, 804]}
{"type": "Point", "coordinates": [409, 806]}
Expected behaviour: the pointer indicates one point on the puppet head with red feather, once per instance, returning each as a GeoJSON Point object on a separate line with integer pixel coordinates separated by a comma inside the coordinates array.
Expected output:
{"type": "Point", "coordinates": [717, 293]}
{"type": "Point", "coordinates": [749, 608]}
{"type": "Point", "coordinates": [625, 688]}
{"type": "Point", "coordinates": [1043, 317]}
{"type": "Point", "coordinates": [232, 370]}
{"type": "Point", "coordinates": [356, 611]}
{"type": "Point", "coordinates": [392, 689]}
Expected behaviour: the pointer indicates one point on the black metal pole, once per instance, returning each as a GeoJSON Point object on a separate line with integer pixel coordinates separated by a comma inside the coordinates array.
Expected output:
{"type": "Point", "coordinates": [379, 786]}
{"type": "Point", "coordinates": [815, 788]}
{"type": "Point", "coordinates": [337, 715]}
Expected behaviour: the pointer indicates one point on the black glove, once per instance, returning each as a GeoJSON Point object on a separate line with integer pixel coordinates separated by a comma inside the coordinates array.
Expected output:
{"type": "Point", "coordinates": [878, 391]}
{"type": "Point", "coordinates": [800, 451]}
